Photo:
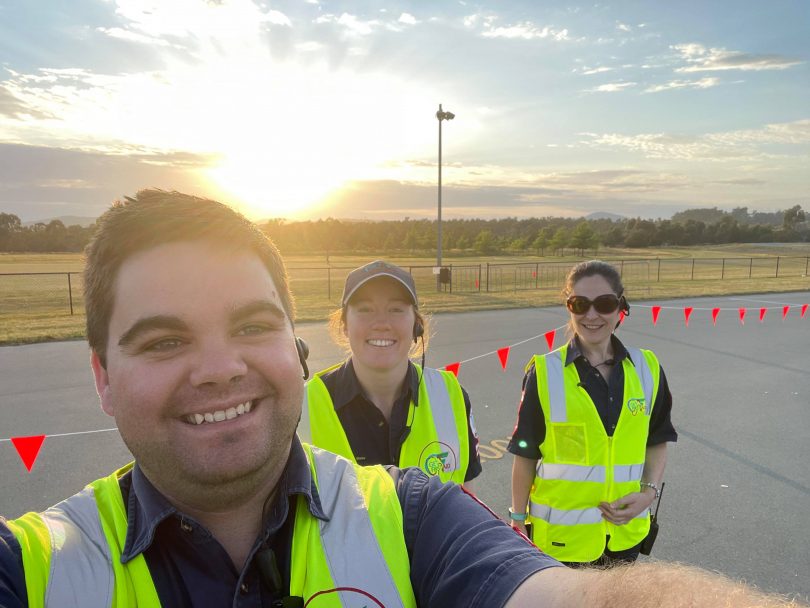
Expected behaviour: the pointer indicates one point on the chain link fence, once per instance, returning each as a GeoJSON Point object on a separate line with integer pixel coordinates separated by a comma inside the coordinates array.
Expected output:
{"type": "Point", "coordinates": [61, 292]}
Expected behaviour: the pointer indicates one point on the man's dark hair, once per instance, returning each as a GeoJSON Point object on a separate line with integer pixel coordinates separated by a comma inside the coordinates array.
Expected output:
{"type": "Point", "coordinates": [156, 217]}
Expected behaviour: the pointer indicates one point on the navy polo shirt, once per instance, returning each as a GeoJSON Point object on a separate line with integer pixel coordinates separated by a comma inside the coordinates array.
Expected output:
{"type": "Point", "coordinates": [460, 553]}
{"type": "Point", "coordinates": [373, 439]}
{"type": "Point", "coordinates": [607, 397]}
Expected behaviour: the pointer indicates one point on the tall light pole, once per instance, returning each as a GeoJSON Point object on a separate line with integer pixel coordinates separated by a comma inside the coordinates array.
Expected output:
{"type": "Point", "coordinates": [441, 115]}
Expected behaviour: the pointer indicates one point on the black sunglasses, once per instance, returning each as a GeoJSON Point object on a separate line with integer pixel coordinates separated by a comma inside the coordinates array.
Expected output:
{"type": "Point", "coordinates": [604, 304]}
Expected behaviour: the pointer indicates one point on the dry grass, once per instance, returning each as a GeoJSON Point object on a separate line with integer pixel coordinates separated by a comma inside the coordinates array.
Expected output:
{"type": "Point", "coordinates": [36, 308]}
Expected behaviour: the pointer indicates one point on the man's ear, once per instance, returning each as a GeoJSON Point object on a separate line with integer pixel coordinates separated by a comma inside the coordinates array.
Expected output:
{"type": "Point", "coordinates": [102, 383]}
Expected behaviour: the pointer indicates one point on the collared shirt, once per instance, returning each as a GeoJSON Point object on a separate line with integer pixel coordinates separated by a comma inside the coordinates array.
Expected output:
{"type": "Point", "coordinates": [461, 554]}
{"type": "Point", "coordinates": [607, 397]}
{"type": "Point", "coordinates": [373, 439]}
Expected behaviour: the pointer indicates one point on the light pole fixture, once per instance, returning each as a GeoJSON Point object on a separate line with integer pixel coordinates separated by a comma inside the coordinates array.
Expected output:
{"type": "Point", "coordinates": [440, 115]}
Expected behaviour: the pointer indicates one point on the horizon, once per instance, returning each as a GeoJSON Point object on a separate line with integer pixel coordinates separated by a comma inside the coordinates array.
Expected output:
{"type": "Point", "coordinates": [316, 109]}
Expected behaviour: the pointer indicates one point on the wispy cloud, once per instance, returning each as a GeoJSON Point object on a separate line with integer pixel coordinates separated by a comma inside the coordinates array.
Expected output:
{"type": "Point", "coordinates": [351, 23]}
{"type": "Point", "coordinates": [525, 30]}
{"type": "Point", "coordinates": [702, 59]}
{"type": "Point", "coordinates": [703, 83]}
{"type": "Point", "coordinates": [612, 87]}
{"type": "Point", "coordinates": [597, 70]}
{"type": "Point", "coordinates": [729, 145]}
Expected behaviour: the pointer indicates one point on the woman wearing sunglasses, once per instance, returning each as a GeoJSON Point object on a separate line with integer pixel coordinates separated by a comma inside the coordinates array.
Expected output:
{"type": "Point", "coordinates": [595, 415]}
{"type": "Point", "coordinates": [378, 407]}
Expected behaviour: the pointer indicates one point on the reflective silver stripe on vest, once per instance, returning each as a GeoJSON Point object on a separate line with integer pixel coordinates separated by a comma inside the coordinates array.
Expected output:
{"type": "Point", "coordinates": [560, 517]}
{"type": "Point", "coordinates": [363, 566]}
{"type": "Point", "coordinates": [304, 430]}
{"type": "Point", "coordinates": [442, 411]}
{"type": "Point", "coordinates": [627, 472]}
{"type": "Point", "coordinates": [81, 574]}
{"type": "Point", "coordinates": [571, 472]}
{"type": "Point", "coordinates": [645, 375]}
{"type": "Point", "coordinates": [556, 386]}
{"type": "Point", "coordinates": [573, 517]}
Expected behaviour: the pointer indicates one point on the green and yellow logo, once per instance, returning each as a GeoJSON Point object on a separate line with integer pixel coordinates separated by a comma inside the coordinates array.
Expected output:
{"type": "Point", "coordinates": [435, 463]}
{"type": "Point", "coordinates": [635, 406]}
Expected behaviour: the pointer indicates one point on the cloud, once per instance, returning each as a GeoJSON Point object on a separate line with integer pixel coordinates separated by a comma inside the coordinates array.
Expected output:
{"type": "Point", "coordinates": [703, 83]}
{"type": "Point", "coordinates": [729, 145]}
{"type": "Point", "coordinates": [525, 30]}
{"type": "Point", "coordinates": [613, 87]}
{"type": "Point", "coordinates": [130, 36]}
{"type": "Point", "coordinates": [623, 27]}
{"type": "Point", "coordinates": [352, 24]}
{"type": "Point", "coordinates": [309, 46]}
{"type": "Point", "coordinates": [407, 19]}
{"type": "Point", "coordinates": [702, 59]}
{"type": "Point", "coordinates": [588, 71]}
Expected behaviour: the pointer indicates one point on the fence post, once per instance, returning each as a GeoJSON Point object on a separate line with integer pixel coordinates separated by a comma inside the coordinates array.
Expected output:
{"type": "Point", "coordinates": [723, 270]}
{"type": "Point", "coordinates": [514, 278]}
{"type": "Point", "coordinates": [329, 283]}
{"type": "Point", "coordinates": [479, 278]}
{"type": "Point", "coordinates": [658, 278]}
{"type": "Point", "coordinates": [451, 278]}
{"type": "Point", "coordinates": [750, 267]}
{"type": "Point", "coordinates": [537, 272]}
{"type": "Point", "coordinates": [487, 276]}
{"type": "Point", "coordinates": [806, 262]}
{"type": "Point", "coordinates": [777, 267]}
{"type": "Point", "coordinates": [70, 295]}
{"type": "Point", "coordinates": [692, 276]}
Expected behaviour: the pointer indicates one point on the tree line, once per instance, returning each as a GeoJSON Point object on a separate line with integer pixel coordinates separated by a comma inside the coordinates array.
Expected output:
{"type": "Point", "coordinates": [543, 236]}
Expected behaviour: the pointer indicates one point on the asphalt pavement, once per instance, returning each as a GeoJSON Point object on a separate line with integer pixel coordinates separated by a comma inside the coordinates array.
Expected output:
{"type": "Point", "coordinates": [737, 497]}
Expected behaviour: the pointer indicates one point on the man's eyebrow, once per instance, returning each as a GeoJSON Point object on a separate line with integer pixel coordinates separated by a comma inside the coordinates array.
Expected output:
{"type": "Point", "coordinates": [258, 307]}
{"type": "Point", "coordinates": [146, 324]}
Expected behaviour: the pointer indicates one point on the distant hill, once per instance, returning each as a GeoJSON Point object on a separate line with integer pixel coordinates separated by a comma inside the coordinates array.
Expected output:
{"type": "Point", "coordinates": [67, 220]}
{"type": "Point", "coordinates": [604, 215]}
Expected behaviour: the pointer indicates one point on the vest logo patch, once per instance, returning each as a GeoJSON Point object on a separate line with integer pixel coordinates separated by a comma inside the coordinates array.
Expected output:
{"type": "Point", "coordinates": [438, 457]}
{"type": "Point", "coordinates": [635, 406]}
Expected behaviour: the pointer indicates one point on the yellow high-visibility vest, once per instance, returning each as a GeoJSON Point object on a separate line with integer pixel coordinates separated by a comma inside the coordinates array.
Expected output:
{"type": "Point", "coordinates": [438, 441]}
{"type": "Point", "coordinates": [72, 552]}
{"type": "Point", "coordinates": [582, 466]}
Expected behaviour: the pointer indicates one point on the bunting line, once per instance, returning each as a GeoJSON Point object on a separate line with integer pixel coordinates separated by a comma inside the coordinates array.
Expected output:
{"type": "Point", "coordinates": [115, 428]}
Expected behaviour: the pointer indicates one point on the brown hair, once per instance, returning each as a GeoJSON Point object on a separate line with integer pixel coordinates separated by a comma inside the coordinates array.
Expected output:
{"type": "Point", "coordinates": [337, 324]}
{"type": "Point", "coordinates": [589, 269]}
{"type": "Point", "coordinates": [155, 217]}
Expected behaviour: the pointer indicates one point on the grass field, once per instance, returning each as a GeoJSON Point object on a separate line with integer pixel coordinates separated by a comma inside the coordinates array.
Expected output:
{"type": "Point", "coordinates": [36, 308]}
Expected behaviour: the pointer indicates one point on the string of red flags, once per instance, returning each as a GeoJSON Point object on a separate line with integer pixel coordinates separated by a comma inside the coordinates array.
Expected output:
{"type": "Point", "coordinates": [655, 310]}
{"type": "Point", "coordinates": [742, 311]}
{"type": "Point", "coordinates": [28, 448]}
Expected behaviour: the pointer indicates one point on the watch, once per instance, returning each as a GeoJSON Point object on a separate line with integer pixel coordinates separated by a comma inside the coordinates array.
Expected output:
{"type": "Point", "coordinates": [650, 484]}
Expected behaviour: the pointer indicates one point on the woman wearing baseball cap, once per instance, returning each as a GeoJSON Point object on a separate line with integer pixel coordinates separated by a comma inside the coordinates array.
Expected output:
{"type": "Point", "coordinates": [378, 407]}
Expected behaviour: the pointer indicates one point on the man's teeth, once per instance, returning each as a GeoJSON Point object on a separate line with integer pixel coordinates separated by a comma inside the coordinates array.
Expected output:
{"type": "Point", "coordinates": [381, 342]}
{"type": "Point", "coordinates": [220, 415]}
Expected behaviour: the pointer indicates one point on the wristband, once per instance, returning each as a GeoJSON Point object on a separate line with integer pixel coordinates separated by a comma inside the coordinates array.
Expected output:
{"type": "Point", "coordinates": [516, 516]}
{"type": "Point", "coordinates": [649, 484]}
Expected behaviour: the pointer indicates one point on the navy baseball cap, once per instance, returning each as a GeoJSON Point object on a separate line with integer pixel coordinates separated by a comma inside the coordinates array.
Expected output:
{"type": "Point", "coordinates": [360, 276]}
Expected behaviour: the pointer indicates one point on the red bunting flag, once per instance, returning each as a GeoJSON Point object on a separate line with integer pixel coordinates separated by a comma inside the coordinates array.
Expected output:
{"type": "Point", "coordinates": [715, 312]}
{"type": "Point", "coordinates": [804, 310]}
{"type": "Point", "coordinates": [742, 316]}
{"type": "Point", "coordinates": [687, 312]}
{"type": "Point", "coordinates": [476, 283]}
{"type": "Point", "coordinates": [549, 335]}
{"type": "Point", "coordinates": [762, 313]}
{"type": "Point", "coordinates": [28, 449]}
{"type": "Point", "coordinates": [453, 367]}
{"type": "Point", "coordinates": [503, 355]}
{"type": "Point", "coordinates": [534, 274]}
{"type": "Point", "coordinates": [655, 312]}
{"type": "Point", "coordinates": [785, 310]}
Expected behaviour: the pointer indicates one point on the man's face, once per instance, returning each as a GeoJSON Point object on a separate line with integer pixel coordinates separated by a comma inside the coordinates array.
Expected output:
{"type": "Point", "coordinates": [202, 374]}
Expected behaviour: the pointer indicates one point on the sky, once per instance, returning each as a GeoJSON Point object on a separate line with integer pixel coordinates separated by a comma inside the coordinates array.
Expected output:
{"type": "Point", "coordinates": [310, 109]}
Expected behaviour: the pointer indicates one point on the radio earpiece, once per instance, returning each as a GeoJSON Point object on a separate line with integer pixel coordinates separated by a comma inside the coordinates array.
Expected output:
{"type": "Point", "coordinates": [303, 353]}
